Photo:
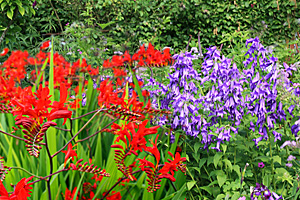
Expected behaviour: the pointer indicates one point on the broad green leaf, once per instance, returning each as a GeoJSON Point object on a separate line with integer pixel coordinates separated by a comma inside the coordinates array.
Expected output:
{"type": "Point", "coordinates": [235, 196]}
{"type": "Point", "coordinates": [267, 180]}
{"type": "Point", "coordinates": [236, 168]}
{"type": "Point", "coordinates": [21, 10]}
{"type": "Point", "coordinates": [9, 14]}
{"type": "Point", "coordinates": [220, 197]}
{"type": "Point", "coordinates": [221, 179]}
{"type": "Point", "coordinates": [197, 146]}
{"type": "Point", "coordinates": [3, 5]}
{"type": "Point", "coordinates": [263, 158]}
{"type": "Point", "coordinates": [276, 159]}
{"type": "Point", "coordinates": [217, 158]}
{"type": "Point", "coordinates": [190, 184]}
{"type": "Point", "coordinates": [202, 162]}
{"type": "Point", "coordinates": [207, 189]}
{"type": "Point", "coordinates": [228, 164]}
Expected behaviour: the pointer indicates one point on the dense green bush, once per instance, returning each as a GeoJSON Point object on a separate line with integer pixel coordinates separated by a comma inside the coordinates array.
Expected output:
{"type": "Point", "coordinates": [163, 23]}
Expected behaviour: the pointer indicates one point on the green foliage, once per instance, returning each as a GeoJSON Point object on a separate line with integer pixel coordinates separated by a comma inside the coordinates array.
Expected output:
{"type": "Point", "coordinates": [80, 41]}
{"type": "Point", "coordinates": [163, 23]}
{"type": "Point", "coordinates": [9, 7]}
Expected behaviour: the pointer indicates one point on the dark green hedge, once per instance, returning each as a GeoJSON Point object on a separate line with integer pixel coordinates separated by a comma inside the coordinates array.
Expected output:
{"type": "Point", "coordinates": [163, 22]}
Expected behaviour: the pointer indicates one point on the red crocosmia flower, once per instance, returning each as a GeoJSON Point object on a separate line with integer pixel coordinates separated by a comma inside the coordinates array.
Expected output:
{"type": "Point", "coordinates": [117, 61]}
{"type": "Point", "coordinates": [97, 178]}
{"type": "Point", "coordinates": [167, 54]}
{"type": "Point", "coordinates": [4, 52]}
{"type": "Point", "coordinates": [59, 109]}
{"type": "Point", "coordinates": [70, 195]}
{"type": "Point", "coordinates": [119, 72]}
{"type": "Point", "coordinates": [21, 192]}
{"type": "Point", "coordinates": [107, 64]}
{"type": "Point", "coordinates": [141, 62]}
{"type": "Point", "coordinates": [174, 165]}
{"type": "Point", "coordinates": [114, 196]}
{"type": "Point", "coordinates": [45, 45]}
{"type": "Point", "coordinates": [127, 57]}
{"type": "Point", "coordinates": [154, 150]}
{"type": "Point", "coordinates": [150, 49]}
{"type": "Point", "coordinates": [70, 153]}
{"type": "Point", "coordinates": [60, 114]}
{"type": "Point", "coordinates": [142, 51]}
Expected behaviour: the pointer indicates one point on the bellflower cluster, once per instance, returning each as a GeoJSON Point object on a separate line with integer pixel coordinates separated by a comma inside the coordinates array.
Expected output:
{"type": "Point", "coordinates": [181, 95]}
{"type": "Point", "coordinates": [212, 104]}
{"type": "Point", "coordinates": [263, 80]}
{"type": "Point", "coordinates": [223, 98]}
{"type": "Point", "coordinates": [262, 191]}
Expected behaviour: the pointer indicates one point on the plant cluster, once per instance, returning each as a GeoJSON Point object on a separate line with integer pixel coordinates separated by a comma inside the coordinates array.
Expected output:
{"type": "Point", "coordinates": [35, 107]}
{"type": "Point", "coordinates": [254, 106]}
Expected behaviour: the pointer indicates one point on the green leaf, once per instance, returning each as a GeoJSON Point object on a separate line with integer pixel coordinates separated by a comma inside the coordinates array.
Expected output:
{"type": "Point", "coordinates": [180, 193]}
{"type": "Point", "coordinates": [277, 159]}
{"type": "Point", "coordinates": [228, 164]}
{"type": "Point", "coordinates": [78, 186]}
{"type": "Point", "coordinates": [202, 162]}
{"type": "Point", "coordinates": [220, 197]}
{"type": "Point", "coordinates": [40, 76]}
{"type": "Point", "coordinates": [207, 189]}
{"type": "Point", "coordinates": [9, 14]}
{"type": "Point", "coordinates": [137, 86]}
{"type": "Point", "coordinates": [263, 158]}
{"type": "Point", "coordinates": [221, 179]}
{"type": "Point", "coordinates": [103, 26]}
{"type": "Point", "coordinates": [236, 168]}
{"type": "Point", "coordinates": [267, 180]}
{"type": "Point", "coordinates": [190, 184]}
{"type": "Point", "coordinates": [21, 10]}
{"type": "Point", "coordinates": [3, 5]}
{"type": "Point", "coordinates": [235, 196]}
{"type": "Point", "coordinates": [217, 158]}
{"type": "Point", "coordinates": [197, 146]}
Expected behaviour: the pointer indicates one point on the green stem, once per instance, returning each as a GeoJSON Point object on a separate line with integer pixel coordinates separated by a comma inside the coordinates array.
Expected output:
{"type": "Point", "coordinates": [77, 133]}
{"type": "Point", "coordinates": [272, 163]}
{"type": "Point", "coordinates": [20, 168]}
{"type": "Point", "coordinates": [282, 189]}
{"type": "Point", "coordinates": [194, 180]}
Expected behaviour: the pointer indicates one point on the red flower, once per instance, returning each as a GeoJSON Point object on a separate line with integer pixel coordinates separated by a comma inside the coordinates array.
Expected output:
{"type": "Point", "coordinates": [174, 165]}
{"type": "Point", "coordinates": [70, 195]}
{"type": "Point", "coordinates": [21, 191]}
{"type": "Point", "coordinates": [45, 45]}
{"type": "Point", "coordinates": [114, 196]}
{"type": "Point", "coordinates": [4, 52]}
{"type": "Point", "coordinates": [70, 153]}
{"type": "Point", "coordinates": [97, 178]}
{"type": "Point", "coordinates": [154, 151]}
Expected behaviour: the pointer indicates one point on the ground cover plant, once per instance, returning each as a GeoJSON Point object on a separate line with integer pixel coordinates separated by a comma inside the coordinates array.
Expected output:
{"type": "Point", "coordinates": [68, 131]}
